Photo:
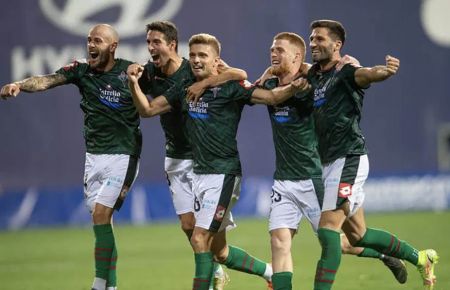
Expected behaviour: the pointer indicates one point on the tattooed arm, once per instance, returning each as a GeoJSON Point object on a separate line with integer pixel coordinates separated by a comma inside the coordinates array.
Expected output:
{"type": "Point", "coordinates": [33, 84]}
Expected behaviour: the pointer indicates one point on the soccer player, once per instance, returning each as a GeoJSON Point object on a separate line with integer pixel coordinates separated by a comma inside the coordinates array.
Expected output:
{"type": "Point", "coordinates": [338, 97]}
{"type": "Point", "coordinates": [166, 69]}
{"type": "Point", "coordinates": [212, 126]}
{"type": "Point", "coordinates": [112, 135]}
{"type": "Point", "coordinates": [298, 190]}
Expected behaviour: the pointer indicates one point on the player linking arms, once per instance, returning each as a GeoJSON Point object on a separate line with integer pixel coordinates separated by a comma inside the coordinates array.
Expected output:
{"type": "Point", "coordinates": [338, 97]}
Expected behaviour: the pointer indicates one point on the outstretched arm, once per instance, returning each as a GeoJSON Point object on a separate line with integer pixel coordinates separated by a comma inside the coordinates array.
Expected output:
{"type": "Point", "coordinates": [33, 84]}
{"type": "Point", "coordinates": [280, 94]}
{"type": "Point", "coordinates": [367, 75]}
{"type": "Point", "coordinates": [144, 106]}
{"type": "Point", "coordinates": [226, 73]}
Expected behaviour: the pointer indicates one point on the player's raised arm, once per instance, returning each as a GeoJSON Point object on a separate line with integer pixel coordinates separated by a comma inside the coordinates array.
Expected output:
{"type": "Point", "coordinates": [280, 94]}
{"type": "Point", "coordinates": [33, 84]}
{"type": "Point", "coordinates": [226, 73]}
{"type": "Point", "coordinates": [146, 108]}
{"type": "Point", "coordinates": [367, 75]}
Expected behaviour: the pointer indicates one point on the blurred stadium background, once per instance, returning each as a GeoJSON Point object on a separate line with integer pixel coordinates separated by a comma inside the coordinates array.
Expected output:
{"type": "Point", "coordinates": [406, 121]}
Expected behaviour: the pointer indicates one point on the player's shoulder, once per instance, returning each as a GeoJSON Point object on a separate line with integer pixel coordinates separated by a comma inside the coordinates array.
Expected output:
{"type": "Point", "coordinates": [270, 83]}
{"type": "Point", "coordinates": [76, 64]}
{"type": "Point", "coordinates": [123, 63]}
{"type": "Point", "coordinates": [75, 67]}
{"type": "Point", "coordinates": [314, 70]}
{"type": "Point", "coordinates": [238, 84]}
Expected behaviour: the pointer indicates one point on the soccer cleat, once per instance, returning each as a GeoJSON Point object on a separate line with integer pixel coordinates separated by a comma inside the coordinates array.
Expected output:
{"type": "Point", "coordinates": [427, 259]}
{"type": "Point", "coordinates": [221, 281]}
{"type": "Point", "coordinates": [397, 267]}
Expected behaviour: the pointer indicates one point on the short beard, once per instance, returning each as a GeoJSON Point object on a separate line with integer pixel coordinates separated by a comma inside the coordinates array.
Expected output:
{"type": "Point", "coordinates": [280, 70]}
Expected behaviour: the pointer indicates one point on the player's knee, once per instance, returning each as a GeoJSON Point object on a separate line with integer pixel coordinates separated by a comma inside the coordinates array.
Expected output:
{"type": "Point", "coordinates": [199, 241]}
{"type": "Point", "coordinates": [101, 215]}
{"type": "Point", "coordinates": [187, 226]}
{"type": "Point", "coordinates": [220, 256]}
{"type": "Point", "coordinates": [345, 245]}
{"type": "Point", "coordinates": [280, 243]}
{"type": "Point", "coordinates": [353, 238]}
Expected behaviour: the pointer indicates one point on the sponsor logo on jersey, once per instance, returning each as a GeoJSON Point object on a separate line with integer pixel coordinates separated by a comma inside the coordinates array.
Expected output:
{"type": "Point", "coordinates": [78, 16]}
{"type": "Point", "coordinates": [345, 190]}
{"type": "Point", "coordinates": [319, 97]}
{"type": "Point", "coordinates": [281, 114]}
{"type": "Point", "coordinates": [199, 110]}
{"type": "Point", "coordinates": [220, 213]}
{"type": "Point", "coordinates": [110, 97]}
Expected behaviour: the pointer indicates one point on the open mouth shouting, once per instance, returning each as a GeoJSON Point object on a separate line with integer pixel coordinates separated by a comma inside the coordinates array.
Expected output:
{"type": "Point", "coordinates": [93, 57]}
{"type": "Point", "coordinates": [156, 58]}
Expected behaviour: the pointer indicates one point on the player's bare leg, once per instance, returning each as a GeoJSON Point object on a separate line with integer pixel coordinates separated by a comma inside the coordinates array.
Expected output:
{"type": "Point", "coordinates": [281, 242]}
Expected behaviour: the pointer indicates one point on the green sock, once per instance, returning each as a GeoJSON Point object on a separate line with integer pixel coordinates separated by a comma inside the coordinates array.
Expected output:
{"type": "Point", "coordinates": [282, 281]}
{"type": "Point", "coordinates": [239, 260]}
{"type": "Point", "coordinates": [203, 270]}
{"type": "Point", "coordinates": [112, 277]}
{"type": "Point", "coordinates": [104, 247]}
{"type": "Point", "coordinates": [329, 260]}
{"type": "Point", "coordinates": [388, 244]}
{"type": "Point", "coordinates": [369, 253]}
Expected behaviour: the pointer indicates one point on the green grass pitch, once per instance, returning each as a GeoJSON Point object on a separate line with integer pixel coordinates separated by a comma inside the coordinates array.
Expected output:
{"type": "Point", "coordinates": [158, 256]}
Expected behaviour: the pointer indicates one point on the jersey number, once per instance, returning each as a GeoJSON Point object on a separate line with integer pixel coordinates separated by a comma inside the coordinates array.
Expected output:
{"type": "Point", "coordinates": [275, 196]}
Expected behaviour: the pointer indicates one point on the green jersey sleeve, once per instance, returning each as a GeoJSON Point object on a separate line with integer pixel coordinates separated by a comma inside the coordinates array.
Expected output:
{"type": "Point", "coordinates": [145, 80]}
{"type": "Point", "coordinates": [242, 92]}
{"type": "Point", "coordinates": [174, 95]}
{"type": "Point", "coordinates": [73, 71]}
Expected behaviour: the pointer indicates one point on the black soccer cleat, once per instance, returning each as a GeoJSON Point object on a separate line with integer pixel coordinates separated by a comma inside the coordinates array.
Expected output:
{"type": "Point", "coordinates": [397, 267]}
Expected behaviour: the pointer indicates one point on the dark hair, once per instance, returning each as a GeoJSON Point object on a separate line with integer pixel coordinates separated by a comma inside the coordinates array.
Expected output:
{"type": "Point", "coordinates": [167, 28]}
{"type": "Point", "coordinates": [336, 29]}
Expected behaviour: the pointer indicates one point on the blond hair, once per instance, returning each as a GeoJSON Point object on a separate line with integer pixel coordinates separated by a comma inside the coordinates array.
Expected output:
{"type": "Point", "coordinates": [208, 39]}
{"type": "Point", "coordinates": [293, 39]}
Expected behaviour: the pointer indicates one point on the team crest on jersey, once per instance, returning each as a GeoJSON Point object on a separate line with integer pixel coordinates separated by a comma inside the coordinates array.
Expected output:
{"type": "Point", "coordinates": [215, 90]}
{"type": "Point", "coordinates": [220, 213]}
{"type": "Point", "coordinates": [123, 77]}
{"type": "Point", "coordinates": [345, 190]}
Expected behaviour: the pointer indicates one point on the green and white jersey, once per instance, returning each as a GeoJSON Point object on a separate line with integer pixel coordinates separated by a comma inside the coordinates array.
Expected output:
{"type": "Point", "coordinates": [295, 141]}
{"type": "Point", "coordinates": [153, 82]}
{"type": "Point", "coordinates": [212, 126]}
{"type": "Point", "coordinates": [111, 122]}
{"type": "Point", "coordinates": [338, 104]}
